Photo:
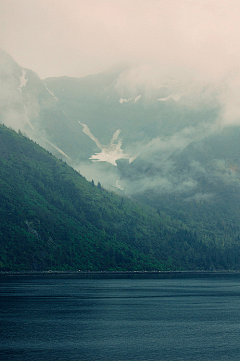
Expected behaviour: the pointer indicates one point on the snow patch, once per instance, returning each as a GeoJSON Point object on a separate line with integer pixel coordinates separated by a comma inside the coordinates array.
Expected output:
{"type": "Point", "coordinates": [65, 114]}
{"type": "Point", "coordinates": [174, 96]}
{"type": "Point", "coordinates": [121, 100]}
{"type": "Point", "coordinates": [23, 80]}
{"type": "Point", "coordinates": [27, 118]}
{"type": "Point", "coordinates": [112, 152]}
{"type": "Point", "coordinates": [58, 149]}
{"type": "Point", "coordinates": [109, 153]}
{"type": "Point", "coordinates": [51, 92]}
{"type": "Point", "coordinates": [137, 98]}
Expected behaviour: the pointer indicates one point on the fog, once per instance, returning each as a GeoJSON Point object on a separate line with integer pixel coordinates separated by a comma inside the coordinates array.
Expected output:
{"type": "Point", "coordinates": [193, 44]}
{"type": "Point", "coordinates": [80, 37]}
{"type": "Point", "coordinates": [183, 39]}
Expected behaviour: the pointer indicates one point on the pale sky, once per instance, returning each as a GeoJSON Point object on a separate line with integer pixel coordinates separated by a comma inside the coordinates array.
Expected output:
{"type": "Point", "coordinates": [80, 37]}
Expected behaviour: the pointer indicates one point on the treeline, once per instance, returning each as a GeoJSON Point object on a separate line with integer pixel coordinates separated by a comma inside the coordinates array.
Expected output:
{"type": "Point", "coordinates": [53, 218]}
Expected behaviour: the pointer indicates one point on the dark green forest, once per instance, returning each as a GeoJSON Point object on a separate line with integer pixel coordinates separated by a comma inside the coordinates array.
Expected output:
{"type": "Point", "coordinates": [52, 218]}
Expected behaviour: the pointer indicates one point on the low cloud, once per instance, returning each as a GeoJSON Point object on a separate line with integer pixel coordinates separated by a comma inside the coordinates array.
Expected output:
{"type": "Point", "coordinates": [191, 42]}
{"type": "Point", "coordinates": [101, 172]}
{"type": "Point", "coordinates": [200, 197]}
{"type": "Point", "coordinates": [188, 50]}
{"type": "Point", "coordinates": [80, 37]}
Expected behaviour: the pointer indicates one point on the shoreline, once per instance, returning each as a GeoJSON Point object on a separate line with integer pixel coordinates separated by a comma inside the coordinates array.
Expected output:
{"type": "Point", "coordinates": [117, 273]}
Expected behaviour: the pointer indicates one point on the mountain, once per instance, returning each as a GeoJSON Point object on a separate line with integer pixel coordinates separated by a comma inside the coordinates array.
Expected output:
{"type": "Point", "coordinates": [163, 144]}
{"type": "Point", "coordinates": [27, 104]}
{"type": "Point", "coordinates": [162, 141]}
{"type": "Point", "coordinates": [53, 218]}
{"type": "Point", "coordinates": [56, 109]}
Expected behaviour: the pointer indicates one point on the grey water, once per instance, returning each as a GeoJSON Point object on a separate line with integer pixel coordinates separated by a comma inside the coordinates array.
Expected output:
{"type": "Point", "coordinates": [123, 318]}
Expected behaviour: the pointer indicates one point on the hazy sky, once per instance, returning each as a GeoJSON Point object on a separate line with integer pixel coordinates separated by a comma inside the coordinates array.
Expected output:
{"type": "Point", "coordinates": [79, 37]}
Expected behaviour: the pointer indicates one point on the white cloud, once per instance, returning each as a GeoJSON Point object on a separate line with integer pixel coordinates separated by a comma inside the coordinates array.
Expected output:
{"type": "Point", "coordinates": [184, 39]}
{"type": "Point", "coordinates": [77, 37]}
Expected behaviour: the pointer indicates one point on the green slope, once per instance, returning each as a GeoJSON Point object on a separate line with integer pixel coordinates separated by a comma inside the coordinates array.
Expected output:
{"type": "Point", "coordinates": [53, 218]}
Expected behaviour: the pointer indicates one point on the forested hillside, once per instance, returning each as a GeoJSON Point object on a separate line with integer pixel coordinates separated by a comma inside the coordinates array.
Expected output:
{"type": "Point", "coordinates": [51, 217]}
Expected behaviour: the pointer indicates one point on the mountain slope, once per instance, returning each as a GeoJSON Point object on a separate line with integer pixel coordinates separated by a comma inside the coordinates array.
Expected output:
{"type": "Point", "coordinates": [165, 144]}
{"type": "Point", "coordinates": [27, 104]}
{"type": "Point", "coordinates": [52, 218]}
{"type": "Point", "coordinates": [179, 157]}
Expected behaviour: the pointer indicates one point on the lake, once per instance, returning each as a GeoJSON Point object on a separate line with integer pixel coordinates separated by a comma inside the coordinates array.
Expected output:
{"type": "Point", "coordinates": [101, 318]}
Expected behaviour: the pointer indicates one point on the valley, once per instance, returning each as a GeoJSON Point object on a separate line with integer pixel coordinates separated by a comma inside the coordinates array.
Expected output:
{"type": "Point", "coordinates": [166, 147]}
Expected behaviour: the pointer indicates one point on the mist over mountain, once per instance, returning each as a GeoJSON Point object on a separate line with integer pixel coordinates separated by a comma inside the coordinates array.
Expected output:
{"type": "Point", "coordinates": [53, 218]}
{"type": "Point", "coordinates": [170, 142]}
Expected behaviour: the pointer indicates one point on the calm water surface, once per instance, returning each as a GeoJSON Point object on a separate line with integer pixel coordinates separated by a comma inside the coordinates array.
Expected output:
{"type": "Point", "coordinates": [120, 319]}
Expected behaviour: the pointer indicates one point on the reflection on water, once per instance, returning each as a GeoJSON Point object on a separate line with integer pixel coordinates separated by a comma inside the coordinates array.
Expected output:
{"type": "Point", "coordinates": [131, 318]}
